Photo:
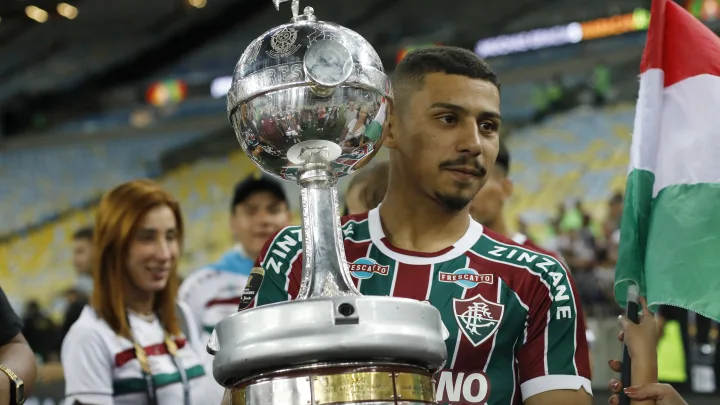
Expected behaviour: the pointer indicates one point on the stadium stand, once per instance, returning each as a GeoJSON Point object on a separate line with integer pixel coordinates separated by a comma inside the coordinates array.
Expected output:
{"type": "Point", "coordinates": [69, 175]}
{"type": "Point", "coordinates": [581, 154]}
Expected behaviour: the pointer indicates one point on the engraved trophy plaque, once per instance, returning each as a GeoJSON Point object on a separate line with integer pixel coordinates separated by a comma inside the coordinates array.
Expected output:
{"type": "Point", "coordinates": [307, 103]}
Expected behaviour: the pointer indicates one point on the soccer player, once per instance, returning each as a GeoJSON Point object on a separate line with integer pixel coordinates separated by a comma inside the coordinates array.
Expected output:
{"type": "Point", "coordinates": [515, 325]}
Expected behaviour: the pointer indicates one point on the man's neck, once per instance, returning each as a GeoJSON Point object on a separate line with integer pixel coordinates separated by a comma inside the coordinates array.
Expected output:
{"type": "Point", "coordinates": [139, 301]}
{"type": "Point", "coordinates": [500, 226]}
{"type": "Point", "coordinates": [420, 224]}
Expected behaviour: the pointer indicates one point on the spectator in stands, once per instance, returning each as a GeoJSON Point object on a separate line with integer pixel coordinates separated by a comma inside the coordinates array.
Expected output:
{"type": "Point", "coordinates": [367, 188]}
{"type": "Point", "coordinates": [82, 241]}
{"type": "Point", "coordinates": [132, 331]}
{"type": "Point", "coordinates": [78, 296]}
{"type": "Point", "coordinates": [18, 368]}
{"type": "Point", "coordinates": [259, 209]}
{"type": "Point", "coordinates": [40, 332]}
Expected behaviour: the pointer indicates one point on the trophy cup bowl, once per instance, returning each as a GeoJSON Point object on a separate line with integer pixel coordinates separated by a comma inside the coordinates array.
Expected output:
{"type": "Point", "coordinates": [307, 103]}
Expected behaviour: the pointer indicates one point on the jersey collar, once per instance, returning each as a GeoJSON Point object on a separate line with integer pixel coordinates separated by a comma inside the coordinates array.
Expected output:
{"type": "Point", "coordinates": [460, 247]}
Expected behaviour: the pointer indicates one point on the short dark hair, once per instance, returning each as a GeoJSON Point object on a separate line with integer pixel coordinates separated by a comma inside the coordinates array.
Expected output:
{"type": "Point", "coordinates": [254, 183]}
{"type": "Point", "coordinates": [503, 159]}
{"type": "Point", "coordinates": [411, 71]}
{"type": "Point", "coordinates": [84, 233]}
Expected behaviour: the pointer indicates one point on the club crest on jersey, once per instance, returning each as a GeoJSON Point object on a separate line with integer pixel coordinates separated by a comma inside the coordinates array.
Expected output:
{"type": "Point", "coordinates": [364, 268]}
{"type": "Point", "coordinates": [478, 318]}
{"type": "Point", "coordinates": [465, 278]}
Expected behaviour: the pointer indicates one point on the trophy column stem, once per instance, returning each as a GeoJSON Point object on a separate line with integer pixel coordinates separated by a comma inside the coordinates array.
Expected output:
{"type": "Point", "coordinates": [325, 270]}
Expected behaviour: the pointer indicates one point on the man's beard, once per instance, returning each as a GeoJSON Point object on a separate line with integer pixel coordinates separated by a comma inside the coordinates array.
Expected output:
{"type": "Point", "coordinates": [453, 203]}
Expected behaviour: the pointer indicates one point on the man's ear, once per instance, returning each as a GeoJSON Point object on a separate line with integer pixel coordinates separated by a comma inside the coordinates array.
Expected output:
{"type": "Point", "coordinates": [391, 121]}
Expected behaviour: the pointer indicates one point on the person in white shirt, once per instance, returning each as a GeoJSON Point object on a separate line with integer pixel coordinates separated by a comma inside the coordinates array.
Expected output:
{"type": "Point", "coordinates": [354, 131]}
{"type": "Point", "coordinates": [258, 210]}
{"type": "Point", "coordinates": [130, 346]}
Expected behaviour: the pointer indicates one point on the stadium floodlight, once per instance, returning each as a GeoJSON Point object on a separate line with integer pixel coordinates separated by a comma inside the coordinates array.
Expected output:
{"type": "Point", "coordinates": [36, 13]}
{"type": "Point", "coordinates": [67, 10]}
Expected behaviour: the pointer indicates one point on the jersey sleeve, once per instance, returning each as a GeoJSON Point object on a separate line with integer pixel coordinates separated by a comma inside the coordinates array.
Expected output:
{"type": "Point", "coordinates": [269, 280]}
{"type": "Point", "coordinates": [554, 354]}
{"type": "Point", "coordinates": [87, 365]}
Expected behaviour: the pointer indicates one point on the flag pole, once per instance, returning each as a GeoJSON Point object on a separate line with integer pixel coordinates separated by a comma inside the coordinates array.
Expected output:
{"type": "Point", "coordinates": [632, 313]}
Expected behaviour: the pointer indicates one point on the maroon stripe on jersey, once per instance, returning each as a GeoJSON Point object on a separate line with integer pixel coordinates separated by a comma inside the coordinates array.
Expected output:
{"type": "Point", "coordinates": [387, 243]}
{"type": "Point", "coordinates": [527, 287]}
{"type": "Point", "coordinates": [223, 301]}
{"type": "Point", "coordinates": [472, 358]}
{"type": "Point", "coordinates": [295, 276]}
{"type": "Point", "coordinates": [152, 350]}
{"type": "Point", "coordinates": [411, 281]}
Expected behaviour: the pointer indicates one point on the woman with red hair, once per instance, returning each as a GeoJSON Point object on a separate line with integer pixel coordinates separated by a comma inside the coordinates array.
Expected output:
{"type": "Point", "coordinates": [127, 347]}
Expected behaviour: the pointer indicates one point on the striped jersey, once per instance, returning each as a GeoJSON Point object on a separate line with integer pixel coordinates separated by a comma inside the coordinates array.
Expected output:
{"type": "Point", "coordinates": [514, 321]}
{"type": "Point", "coordinates": [101, 368]}
{"type": "Point", "coordinates": [212, 294]}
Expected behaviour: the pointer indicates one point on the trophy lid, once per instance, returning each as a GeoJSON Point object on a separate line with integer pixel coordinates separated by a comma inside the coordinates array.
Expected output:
{"type": "Point", "coordinates": [306, 52]}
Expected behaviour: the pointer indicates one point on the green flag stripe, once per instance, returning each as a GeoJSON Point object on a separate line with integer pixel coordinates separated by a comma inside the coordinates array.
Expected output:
{"type": "Point", "coordinates": [670, 245]}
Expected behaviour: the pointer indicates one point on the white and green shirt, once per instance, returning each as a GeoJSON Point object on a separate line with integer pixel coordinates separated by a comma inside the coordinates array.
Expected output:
{"type": "Point", "coordinates": [101, 368]}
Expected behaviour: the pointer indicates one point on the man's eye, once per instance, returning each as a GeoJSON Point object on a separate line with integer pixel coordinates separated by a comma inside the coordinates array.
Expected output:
{"type": "Point", "coordinates": [488, 126]}
{"type": "Point", "coordinates": [448, 119]}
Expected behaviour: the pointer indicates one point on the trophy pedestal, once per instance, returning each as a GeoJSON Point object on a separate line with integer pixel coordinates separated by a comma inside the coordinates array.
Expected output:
{"type": "Point", "coordinates": [390, 346]}
{"type": "Point", "coordinates": [338, 383]}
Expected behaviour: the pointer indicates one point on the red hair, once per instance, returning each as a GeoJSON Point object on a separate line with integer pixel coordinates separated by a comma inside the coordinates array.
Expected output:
{"type": "Point", "coordinates": [117, 220]}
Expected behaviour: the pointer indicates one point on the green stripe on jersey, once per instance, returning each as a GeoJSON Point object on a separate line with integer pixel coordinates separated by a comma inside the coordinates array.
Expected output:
{"type": "Point", "coordinates": [357, 231]}
{"type": "Point", "coordinates": [135, 385]}
{"type": "Point", "coordinates": [500, 364]}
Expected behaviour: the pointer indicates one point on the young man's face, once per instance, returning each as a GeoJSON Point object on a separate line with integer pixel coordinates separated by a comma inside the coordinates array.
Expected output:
{"type": "Point", "coordinates": [258, 218]}
{"type": "Point", "coordinates": [445, 138]}
{"type": "Point", "coordinates": [82, 255]}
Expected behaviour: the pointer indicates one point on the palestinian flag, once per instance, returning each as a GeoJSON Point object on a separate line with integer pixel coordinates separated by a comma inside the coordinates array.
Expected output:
{"type": "Point", "coordinates": [670, 235]}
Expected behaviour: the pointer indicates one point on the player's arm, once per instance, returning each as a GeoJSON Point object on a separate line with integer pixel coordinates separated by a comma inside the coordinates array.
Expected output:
{"type": "Point", "coordinates": [268, 282]}
{"type": "Point", "coordinates": [554, 359]}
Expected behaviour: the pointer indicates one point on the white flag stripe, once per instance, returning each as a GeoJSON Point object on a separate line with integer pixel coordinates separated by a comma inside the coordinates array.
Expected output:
{"type": "Point", "coordinates": [682, 145]}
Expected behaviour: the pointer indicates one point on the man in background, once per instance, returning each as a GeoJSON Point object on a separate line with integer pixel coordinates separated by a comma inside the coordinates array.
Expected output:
{"type": "Point", "coordinates": [367, 188]}
{"type": "Point", "coordinates": [488, 205]}
{"type": "Point", "coordinates": [258, 210]}
{"type": "Point", "coordinates": [77, 297]}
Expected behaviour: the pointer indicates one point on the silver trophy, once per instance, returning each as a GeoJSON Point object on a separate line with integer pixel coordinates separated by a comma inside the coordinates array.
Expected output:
{"type": "Point", "coordinates": [307, 103]}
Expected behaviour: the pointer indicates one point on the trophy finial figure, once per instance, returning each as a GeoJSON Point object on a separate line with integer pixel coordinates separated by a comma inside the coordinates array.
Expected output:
{"type": "Point", "coordinates": [294, 6]}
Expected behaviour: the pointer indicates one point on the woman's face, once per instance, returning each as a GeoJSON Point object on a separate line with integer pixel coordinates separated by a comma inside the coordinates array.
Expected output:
{"type": "Point", "coordinates": [154, 250]}
{"type": "Point", "coordinates": [362, 114]}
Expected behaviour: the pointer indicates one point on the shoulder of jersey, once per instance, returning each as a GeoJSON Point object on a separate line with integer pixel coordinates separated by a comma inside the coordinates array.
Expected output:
{"type": "Point", "coordinates": [506, 251]}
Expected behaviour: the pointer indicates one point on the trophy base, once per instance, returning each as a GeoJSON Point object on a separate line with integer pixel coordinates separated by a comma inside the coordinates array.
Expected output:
{"type": "Point", "coordinates": [335, 330]}
{"type": "Point", "coordinates": [338, 383]}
